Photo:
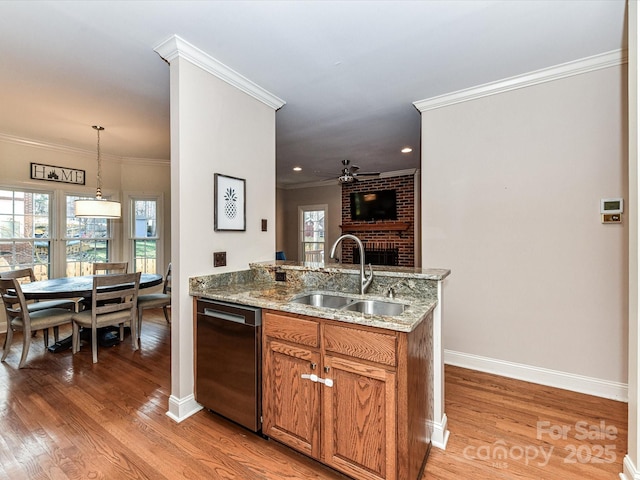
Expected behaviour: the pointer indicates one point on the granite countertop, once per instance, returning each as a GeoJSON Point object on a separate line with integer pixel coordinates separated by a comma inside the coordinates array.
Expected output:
{"type": "Point", "coordinates": [416, 289]}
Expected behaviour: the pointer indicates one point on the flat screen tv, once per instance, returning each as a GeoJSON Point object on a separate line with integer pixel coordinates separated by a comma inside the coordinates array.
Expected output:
{"type": "Point", "coordinates": [377, 205]}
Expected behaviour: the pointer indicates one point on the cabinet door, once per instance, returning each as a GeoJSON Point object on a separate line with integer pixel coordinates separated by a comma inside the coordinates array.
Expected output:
{"type": "Point", "coordinates": [359, 419]}
{"type": "Point", "coordinates": [291, 403]}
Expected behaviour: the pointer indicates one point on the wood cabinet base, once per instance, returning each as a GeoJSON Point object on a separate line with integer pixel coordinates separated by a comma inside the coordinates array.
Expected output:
{"type": "Point", "coordinates": [356, 398]}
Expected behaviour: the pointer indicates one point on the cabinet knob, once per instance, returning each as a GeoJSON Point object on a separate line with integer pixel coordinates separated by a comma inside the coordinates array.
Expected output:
{"type": "Point", "coordinates": [313, 365]}
{"type": "Point", "coordinates": [326, 369]}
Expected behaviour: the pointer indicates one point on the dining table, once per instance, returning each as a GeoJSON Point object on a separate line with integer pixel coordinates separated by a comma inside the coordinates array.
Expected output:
{"type": "Point", "coordinates": [76, 287]}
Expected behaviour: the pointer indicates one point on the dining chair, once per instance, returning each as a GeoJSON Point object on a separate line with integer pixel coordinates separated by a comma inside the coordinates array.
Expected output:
{"type": "Point", "coordinates": [103, 268]}
{"type": "Point", "coordinates": [113, 302]}
{"type": "Point", "coordinates": [20, 318]}
{"type": "Point", "coordinates": [100, 268]}
{"type": "Point", "coordinates": [24, 275]}
{"type": "Point", "coordinates": [156, 300]}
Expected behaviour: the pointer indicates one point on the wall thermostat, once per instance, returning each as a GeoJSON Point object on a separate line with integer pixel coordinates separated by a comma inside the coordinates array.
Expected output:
{"type": "Point", "coordinates": [611, 205]}
{"type": "Point", "coordinates": [611, 210]}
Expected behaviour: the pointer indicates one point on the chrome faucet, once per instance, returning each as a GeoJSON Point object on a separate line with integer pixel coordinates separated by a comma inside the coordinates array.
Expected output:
{"type": "Point", "coordinates": [364, 280]}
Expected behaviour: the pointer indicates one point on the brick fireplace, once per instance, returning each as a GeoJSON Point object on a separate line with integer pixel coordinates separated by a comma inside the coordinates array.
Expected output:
{"type": "Point", "coordinates": [386, 242]}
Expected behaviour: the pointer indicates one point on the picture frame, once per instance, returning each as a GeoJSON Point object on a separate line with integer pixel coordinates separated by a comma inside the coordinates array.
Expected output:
{"type": "Point", "coordinates": [230, 206]}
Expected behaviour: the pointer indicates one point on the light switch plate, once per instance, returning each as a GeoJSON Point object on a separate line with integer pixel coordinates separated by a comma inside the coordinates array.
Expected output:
{"type": "Point", "coordinates": [219, 259]}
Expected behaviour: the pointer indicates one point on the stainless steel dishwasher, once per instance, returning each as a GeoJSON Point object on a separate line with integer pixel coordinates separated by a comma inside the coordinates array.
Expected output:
{"type": "Point", "coordinates": [228, 361]}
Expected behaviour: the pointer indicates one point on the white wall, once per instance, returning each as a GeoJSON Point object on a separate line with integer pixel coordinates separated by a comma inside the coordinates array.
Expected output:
{"type": "Point", "coordinates": [511, 189]}
{"type": "Point", "coordinates": [223, 130]}
{"type": "Point", "coordinates": [297, 197]}
{"type": "Point", "coordinates": [215, 128]}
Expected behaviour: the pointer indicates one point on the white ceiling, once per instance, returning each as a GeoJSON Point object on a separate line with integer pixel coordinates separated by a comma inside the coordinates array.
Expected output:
{"type": "Point", "coordinates": [348, 70]}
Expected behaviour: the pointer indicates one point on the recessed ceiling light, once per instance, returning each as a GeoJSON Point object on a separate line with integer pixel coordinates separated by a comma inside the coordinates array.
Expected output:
{"type": "Point", "coordinates": [407, 150]}
{"type": "Point", "coordinates": [297, 169]}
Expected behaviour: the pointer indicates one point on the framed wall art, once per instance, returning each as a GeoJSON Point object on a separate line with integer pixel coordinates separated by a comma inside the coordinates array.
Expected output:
{"type": "Point", "coordinates": [230, 210]}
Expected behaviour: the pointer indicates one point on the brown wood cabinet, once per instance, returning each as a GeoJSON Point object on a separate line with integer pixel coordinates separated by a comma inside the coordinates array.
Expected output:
{"type": "Point", "coordinates": [291, 413]}
{"type": "Point", "coordinates": [340, 393]}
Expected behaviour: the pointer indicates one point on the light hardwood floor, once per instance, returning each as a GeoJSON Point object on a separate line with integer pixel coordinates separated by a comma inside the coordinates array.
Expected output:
{"type": "Point", "coordinates": [507, 429]}
{"type": "Point", "coordinates": [63, 417]}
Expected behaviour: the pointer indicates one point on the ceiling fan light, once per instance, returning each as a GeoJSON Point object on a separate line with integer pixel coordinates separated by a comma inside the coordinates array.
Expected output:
{"type": "Point", "coordinates": [346, 178]}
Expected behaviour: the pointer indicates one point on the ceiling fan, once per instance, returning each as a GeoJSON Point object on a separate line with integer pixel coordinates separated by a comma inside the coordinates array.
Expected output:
{"type": "Point", "coordinates": [350, 173]}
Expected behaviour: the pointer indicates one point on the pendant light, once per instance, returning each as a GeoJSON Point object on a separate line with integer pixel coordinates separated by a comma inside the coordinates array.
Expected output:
{"type": "Point", "coordinates": [98, 207]}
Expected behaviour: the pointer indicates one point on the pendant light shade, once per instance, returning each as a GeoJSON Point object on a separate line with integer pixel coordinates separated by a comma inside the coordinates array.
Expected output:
{"type": "Point", "coordinates": [98, 207]}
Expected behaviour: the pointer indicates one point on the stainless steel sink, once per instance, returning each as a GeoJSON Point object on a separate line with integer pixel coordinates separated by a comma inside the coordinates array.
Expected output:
{"type": "Point", "coordinates": [323, 300]}
{"type": "Point", "coordinates": [376, 307]}
{"type": "Point", "coordinates": [371, 307]}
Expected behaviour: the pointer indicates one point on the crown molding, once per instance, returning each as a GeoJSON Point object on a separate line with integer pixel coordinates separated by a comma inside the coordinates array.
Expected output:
{"type": "Point", "coordinates": [333, 181]}
{"type": "Point", "coordinates": [577, 67]}
{"type": "Point", "coordinates": [67, 150]}
{"type": "Point", "coordinates": [399, 173]}
{"type": "Point", "coordinates": [52, 147]}
{"type": "Point", "coordinates": [176, 46]}
{"type": "Point", "coordinates": [146, 161]}
{"type": "Point", "coordinates": [320, 183]}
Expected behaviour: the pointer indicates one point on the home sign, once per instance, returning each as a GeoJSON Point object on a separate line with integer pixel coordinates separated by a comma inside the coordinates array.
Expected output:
{"type": "Point", "coordinates": [56, 174]}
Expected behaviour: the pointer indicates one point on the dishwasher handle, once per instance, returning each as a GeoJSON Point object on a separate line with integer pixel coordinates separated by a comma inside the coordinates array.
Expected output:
{"type": "Point", "coordinates": [231, 312]}
{"type": "Point", "coordinates": [230, 317]}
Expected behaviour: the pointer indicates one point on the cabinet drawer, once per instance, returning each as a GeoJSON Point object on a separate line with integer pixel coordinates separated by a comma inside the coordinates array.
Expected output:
{"type": "Point", "coordinates": [364, 344]}
{"type": "Point", "coordinates": [292, 329]}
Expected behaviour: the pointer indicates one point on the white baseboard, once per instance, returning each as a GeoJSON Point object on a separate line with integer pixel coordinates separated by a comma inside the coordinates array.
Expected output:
{"type": "Point", "coordinates": [440, 434]}
{"type": "Point", "coordinates": [629, 470]}
{"type": "Point", "coordinates": [182, 408]}
{"type": "Point", "coordinates": [552, 378]}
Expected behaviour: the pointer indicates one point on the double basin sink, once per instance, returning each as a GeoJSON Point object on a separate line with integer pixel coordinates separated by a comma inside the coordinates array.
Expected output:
{"type": "Point", "coordinates": [371, 307]}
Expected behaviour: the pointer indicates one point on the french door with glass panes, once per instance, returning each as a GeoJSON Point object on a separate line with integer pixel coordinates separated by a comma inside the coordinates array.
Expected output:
{"type": "Point", "coordinates": [312, 220]}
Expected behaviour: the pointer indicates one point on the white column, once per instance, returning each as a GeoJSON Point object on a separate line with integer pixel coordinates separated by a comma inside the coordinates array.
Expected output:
{"type": "Point", "coordinates": [440, 434]}
{"type": "Point", "coordinates": [220, 123]}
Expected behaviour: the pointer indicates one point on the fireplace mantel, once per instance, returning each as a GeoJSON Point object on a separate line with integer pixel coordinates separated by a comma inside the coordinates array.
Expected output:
{"type": "Point", "coordinates": [368, 227]}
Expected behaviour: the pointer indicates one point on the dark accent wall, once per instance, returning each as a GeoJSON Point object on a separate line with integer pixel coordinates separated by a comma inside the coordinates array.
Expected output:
{"type": "Point", "coordinates": [375, 235]}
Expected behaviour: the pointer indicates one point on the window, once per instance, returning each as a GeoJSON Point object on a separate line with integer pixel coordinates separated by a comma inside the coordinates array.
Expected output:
{"type": "Point", "coordinates": [312, 223]}
{"type": "Point", "coordinates": [144, 228]}
{"type": "Point", "coordinates": [25, 231]}
{"type": "Point", "coordinates": [87, 240]}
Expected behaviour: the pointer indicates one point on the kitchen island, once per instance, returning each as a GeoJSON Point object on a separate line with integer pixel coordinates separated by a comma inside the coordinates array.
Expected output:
{"type": "Point", "coordinates": [354, 390]}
